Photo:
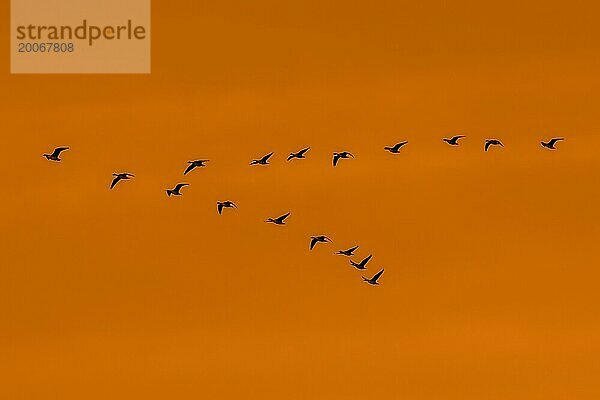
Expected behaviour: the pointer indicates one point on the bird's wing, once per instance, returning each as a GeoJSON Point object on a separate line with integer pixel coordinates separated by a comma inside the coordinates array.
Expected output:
{"type": "Point", "coordinates": [487, 145]}
{"type": "Point", "coordinates": [220, 207]}
{"type": "Point", "coordinates": [58, 150]}
{"type": "Point", "coordinates": [189, 168]}
{"type": "Point", "coordinates": [554, 140]}
{"type": "Point", "coordinates": [265, 158]}
{"type": "Point", "coordinates": [455, 138]}
{"type": "Point", "coordinates": [352, 249]}
{"type": "Point", "coordinates": [304, 150]}
{"type": "Point", "coordinates": [180, 185]}
{"type": "Point", "coordinates": [366, 260]}
{"type": "Point", "coordinates": [114, 181]}
{"type": "Point", "coordinates": [335, 159]}
{"type": "Point", "coordinates": [377, 275]}
{"type": "Point", "coordinates": [284, 216]}
{"type": "Point", "coordinates": [313, 242]}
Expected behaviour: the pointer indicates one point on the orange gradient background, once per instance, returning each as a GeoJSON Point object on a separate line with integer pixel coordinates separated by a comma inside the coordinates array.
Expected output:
{"type": "Point", "coordinates": [490, 288]}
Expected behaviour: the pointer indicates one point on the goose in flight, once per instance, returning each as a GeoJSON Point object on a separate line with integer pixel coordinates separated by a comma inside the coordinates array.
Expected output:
{"type": "Point", "coordinates": [279, 220]}
{"type": "Point", "coordinates": [118, 177]}
{"type": "Point", "coordinates": [176, 190]}
{"type": "Point", "coordinates": [373, 280]}
{"type": "Point", "coordinates": [343, 154]}
{"type": "Point", "coordinates": [453, 141]}
{"type": "Point", "coordinates": [550, 144]}
{"type": "Point", "coordinates": [318, 239]}
{"type": "Point", "coordinates": [396, 148]}
{"type": "Point", "coordinates": [194, 164]}
{"type": "Point", "coordinates": [55, 154]}
{"type": "Point", "coordinates": [224, 204]}
{"type": "Point", "coordinates": [262, 161]}
{"type": "Point", "coordinates": [363, 263]}
{"type": "Point", "coordinates": [348, 253]}
{"type": "Point", "coordinates": [494, 142]}
{"type": "Point", "coordinates": [300, 154]}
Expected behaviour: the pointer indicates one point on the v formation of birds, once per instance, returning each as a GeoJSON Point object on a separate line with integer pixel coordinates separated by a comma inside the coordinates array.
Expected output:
{"type": "Point", "coordinates": [301, 154]}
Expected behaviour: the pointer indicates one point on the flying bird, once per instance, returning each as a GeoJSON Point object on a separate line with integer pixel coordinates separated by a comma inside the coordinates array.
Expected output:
{"type": "Point", "coordinates": [550, 144]}
{"type": "Point", "coordinates": [55, 154]}
{"type": "Point", "coordinates": [278, 220]}
{"type": "Point", "coordinates": [396, 148]}
{"type": "Point", "coordinates": [494, 142]}
{"type": "Point", "coordinates": [318, 239]}
{"type": "Point", "coordinates": [363, 263]}
{"type": "Point", "coordinates": [176, 190]}
{"type": "Point", "coordinates": [194, 164]}
{"type": "Point", "coordinates": [118, 177]}
{"type": "Point", "coordinates": [262, 161]}
{"type": "Point", "coordinates": [343, 154]}
{"type": "Point", "coordinates": [300, 154]}
{"type": "Point", "coordinates": [373, 280]}
{"type": "Point", "coordinates": [224, 204]}
{"type": "Point", "coordinates": [453, 141]}
{"type": "Point", "coordinates": [349, 252]}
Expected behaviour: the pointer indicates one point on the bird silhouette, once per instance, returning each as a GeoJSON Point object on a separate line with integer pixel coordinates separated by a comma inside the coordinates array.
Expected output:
{"type": "Point", "coordinates": [550, 144]}
{"type": "Point", "coordinates": [55, 154]}
{"type": "Point", "coordinates": [224, 204]}
{"type": "Point", "coordinates": [348, 253]}
{"type": "Point", "coordinates": [373, 280]}
{"type": "Point", "coordinates": [318, 239]}
{"type": "Point", "coordinates": [279, 220]}
{"type": "Point", "coordinates": [262, 161]}
{"type": "Point", "coordinates": [453, 141]}
{"type": "Point", "coordinates": [300, 154]}
{"type": "Point", "coordinates": [396, 148]}
{"type": "Point", "coordinates": [490, 142]}
{"type": "Point", "coordinates": [363, 263]}
{"type": "Point", "coordinates": [118, 177]}
{"type": "Point", "coordinates": [343, 154]}
{"type": "Point", "coordinates": [176, 190]}
{"type": "Point", "coordinates": [194, 164]}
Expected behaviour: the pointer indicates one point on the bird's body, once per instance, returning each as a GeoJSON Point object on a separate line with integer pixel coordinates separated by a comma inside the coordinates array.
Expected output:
{"type": "Point", "coordinates": [343, 154]}
{"type": "Point", "coordinates": [347, 253]}
{"type": "Point", "coordinates": [262, 161]}
{"type": "Point", "coordinates": [362, 264]}
{"type": "Point", "coordinates": [279, 220]}
{"type": "Point", "coordinates": [176, 191]}
{"type": "Point", "coordinates": [300, 154]}
{"type": "Point", "coordinates": [373, 280]}
{"type": "Point", "coordinates": [395, 149]}
{"type": "Point", "coordinates": [550, 144]}
{"type": "Point", "coordinates": [318, 239]}
{"type": "Point", "coordinates": [492, 142]}
{"type": "Point", "coordinates": [224, 204]}
{"type": "Point", "coordinates": [55, 154]}
{"type": "Point", "coordinates": [118, 177]}
{"type": "Point", "coordinates": [194, 164]}
{"type": "Point", "coordinates": [453, 141]}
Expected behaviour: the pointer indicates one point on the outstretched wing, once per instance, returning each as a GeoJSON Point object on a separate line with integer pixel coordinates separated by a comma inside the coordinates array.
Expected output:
{"type": "Point", "coordinates": [284, 216]}
{"type": "Point", "coordinates": [189, 168]}
{"type": "Point", "coordinates": [487, 144]}
{"type": "Point", "coordinates": [313, 242]}
{"type": "Point", "coordinates": [376, 276]}
{"type": "Point", "coordinates": [304, 150]}
{"type": "Point", "coordinates": [554, 140]}
{"type": "Point", "coordinates": [366, 260]}
{"type": "Point", "coordinates": [455, 138]}
{"type": "Point", "coordinates": [350, 250]}
{"type": "Point", "coordinates": [219, 208]}
{"type": "Point", "coordinates": [336, 158]}
{"type": "Point", "coordinates": [180, 185]}
{"type": "Point", "coordinates": [266, 158]}
{"type": "Point", "coordinates": [58, 150]}
{"type": "Point", "coordinates": [114, 181]}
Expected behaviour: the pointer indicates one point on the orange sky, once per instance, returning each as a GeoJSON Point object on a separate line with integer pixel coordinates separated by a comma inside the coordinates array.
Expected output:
{"type": "Point", "coordinates": [490, 289]}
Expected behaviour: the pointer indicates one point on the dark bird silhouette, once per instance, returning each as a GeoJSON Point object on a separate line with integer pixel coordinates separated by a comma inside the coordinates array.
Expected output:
{"type": "Point", "coordinates": [278, 220]}
{"type": "Point", "coordinates": [349, 252]}
{"type": "Point", "coordinates": [118, 177]}
{"type": "Point", "coordinates": [318, 239]}
{"type": "Point", "coordinates": [55, 154]}
{"type": "Point", "coordinates": [363, 263]}
{"type": "Point", "coordinates": [453, 141]}
{"type": "Point", "coordinates": [373, 280]}
{"type": "Point", "coordinates": [194, 164]}
{"type": "Point", "coordinates": [224, 204]}
{"type": "Point", "coordinates": [343, 154]}
{"type": "Point", "coordinates": [262, 161]}
{"type": "Point", "coordinates": [550, 144]}
{"type": "Point", "coordinates": [492, 142]}
{"type": "Point", "coordinates": [396, 148]}
{"type": "Point", "coordinates": [176, 190]}
{"type": "Point", "coordinates": [300, 154]}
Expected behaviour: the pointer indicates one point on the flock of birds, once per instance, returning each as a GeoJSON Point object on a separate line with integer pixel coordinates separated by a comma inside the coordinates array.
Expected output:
{"type": "Point", "coordinates": [301, 154]}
